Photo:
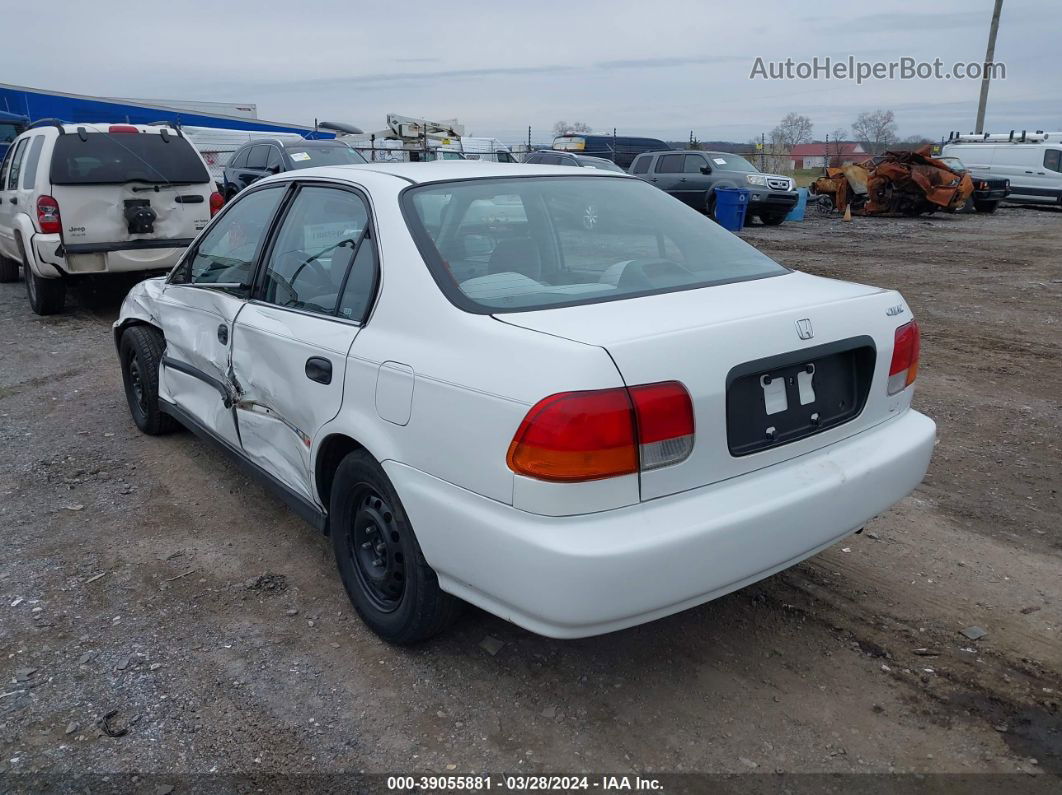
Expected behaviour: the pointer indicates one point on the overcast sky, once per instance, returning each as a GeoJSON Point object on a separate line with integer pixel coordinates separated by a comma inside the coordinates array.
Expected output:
{"type": "Point", "coordinates": [651, 68]}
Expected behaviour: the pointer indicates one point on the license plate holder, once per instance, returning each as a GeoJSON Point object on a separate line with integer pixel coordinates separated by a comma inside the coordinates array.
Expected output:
{"type": "Point", "coordinates": [781, 399]}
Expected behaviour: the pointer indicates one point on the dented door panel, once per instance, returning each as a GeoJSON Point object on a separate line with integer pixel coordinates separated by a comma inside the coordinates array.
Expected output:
{"type": "Point", "coordinates": [282, 399]}
{"type": "Point", "coordinates": [195, 368]}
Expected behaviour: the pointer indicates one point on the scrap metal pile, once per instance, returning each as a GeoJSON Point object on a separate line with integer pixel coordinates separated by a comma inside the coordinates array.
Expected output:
{"type": "Point", "coordinates": [903, 183]}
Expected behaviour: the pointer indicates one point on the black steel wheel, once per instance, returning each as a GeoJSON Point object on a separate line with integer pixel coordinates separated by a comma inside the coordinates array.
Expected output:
{"type": "Point", "coordinates": [140, 351]}
{"type": "Point", "coordinates": [374, 543]}
{"type": "Point", "coordinates": [384, 572]}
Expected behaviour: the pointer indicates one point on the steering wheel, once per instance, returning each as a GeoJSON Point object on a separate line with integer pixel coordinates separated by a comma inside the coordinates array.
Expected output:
{"type": "Point", "coordinates": [649, 274]}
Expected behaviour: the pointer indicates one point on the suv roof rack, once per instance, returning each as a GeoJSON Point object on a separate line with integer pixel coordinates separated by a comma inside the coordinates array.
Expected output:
{"type": "Point", "coordinates": [176, 125]}
{"type": "Point", "coordinates": [1013, 137]}
{"type": "Point", "coordinates": [57, 123]}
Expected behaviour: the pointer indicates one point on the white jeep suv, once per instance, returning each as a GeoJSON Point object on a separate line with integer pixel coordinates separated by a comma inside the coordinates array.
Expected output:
{"type": "Point", "coordinates": [98, 198]}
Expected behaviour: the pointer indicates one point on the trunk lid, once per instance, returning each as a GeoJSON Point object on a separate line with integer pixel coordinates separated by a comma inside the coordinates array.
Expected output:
{"type": "Point", "coordinates": [722, 339]}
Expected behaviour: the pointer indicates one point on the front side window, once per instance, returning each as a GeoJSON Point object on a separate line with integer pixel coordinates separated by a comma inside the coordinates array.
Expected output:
{"type": "Point", "coordinates": [323, 232]}
{"type": "Point", "coordinates": [517, 244]}
{"type": "Point", "coordinates": [116, 158]}
{"type": "Point", "coordinates": [669, 164]}
{"type": "Point", "coordinates": [258, 156]}
{"type": "Point", "coordinates": [274, 160]}
{"type": "Point", "coordinates": [694, 164]}
{"type": "Point", "coordinates": [16, 164]}
{"type": "Point", "coordinates": [227, 253]}
{"type": "Point", "coordinates": [1052, 158]}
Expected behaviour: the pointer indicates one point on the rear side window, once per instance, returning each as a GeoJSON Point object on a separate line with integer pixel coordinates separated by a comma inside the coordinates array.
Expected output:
{"type": "Point", "coordinates": [29, 171]}
{"type": "Point", "coordinates": [641, 164]}
{"type": "Point", "coordinates": [669, 164]}
{"type": "Point", "coordinates": [1052, 158]}
{"type": "Point", "coordinates": [16, 164]}
{"type": "Point", "coordinates": [115, 158]}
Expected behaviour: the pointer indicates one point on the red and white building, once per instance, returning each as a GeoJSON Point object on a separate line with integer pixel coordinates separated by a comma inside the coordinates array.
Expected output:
{"type": "Point", "coordinates": [819, 154]}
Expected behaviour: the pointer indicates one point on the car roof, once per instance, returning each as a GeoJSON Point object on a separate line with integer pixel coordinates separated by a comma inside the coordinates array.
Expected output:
{"type": "Point", "coordinates": [449, 170]}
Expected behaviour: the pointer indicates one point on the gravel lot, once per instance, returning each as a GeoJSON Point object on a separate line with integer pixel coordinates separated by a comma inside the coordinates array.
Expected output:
{"type": "Point", "coordinates": [147, 578]}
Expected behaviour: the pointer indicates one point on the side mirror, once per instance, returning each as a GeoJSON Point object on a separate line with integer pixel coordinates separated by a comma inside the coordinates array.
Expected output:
{"type": "Point", "coordinates": [273, 169]}
{"type": "Point", "coordinates": [706, 169]}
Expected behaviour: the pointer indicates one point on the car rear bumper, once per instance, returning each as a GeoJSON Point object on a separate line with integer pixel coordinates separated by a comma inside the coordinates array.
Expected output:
{"type": "Point", "coordinates": [114, 257]}
{"type": "Point", "coordinates": [577, 576]}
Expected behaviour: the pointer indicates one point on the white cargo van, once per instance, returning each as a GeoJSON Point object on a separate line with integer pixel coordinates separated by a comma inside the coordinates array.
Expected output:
{"type": "Point", "coordinates": [98, 198]}
{"type": "Point", "coordinates": [1032, 162]}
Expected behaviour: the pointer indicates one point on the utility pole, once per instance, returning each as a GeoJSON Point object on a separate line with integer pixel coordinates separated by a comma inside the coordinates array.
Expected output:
{"type": "Point", "coordinates": [990, 55]}
{"type": "Point", "coordinates": [763, 152]}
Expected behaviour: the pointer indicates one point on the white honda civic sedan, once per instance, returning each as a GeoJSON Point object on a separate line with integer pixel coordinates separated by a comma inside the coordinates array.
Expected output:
{"type": "Point", "coordinates": [482, 397]}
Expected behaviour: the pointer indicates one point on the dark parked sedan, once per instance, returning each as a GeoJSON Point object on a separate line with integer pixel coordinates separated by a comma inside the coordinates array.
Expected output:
{"type": "Point", "coordinates": [268, 156]}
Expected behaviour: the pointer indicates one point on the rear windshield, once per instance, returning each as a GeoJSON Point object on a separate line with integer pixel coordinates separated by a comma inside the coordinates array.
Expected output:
{"type": "Point", "coordinates": [312, 156]}
{"type": "Point", "coordinates": [517, 244]}
{"type": "Point", "coordinates": [114, 158]}
{"type": "Point", "coordinates": [601, 163]}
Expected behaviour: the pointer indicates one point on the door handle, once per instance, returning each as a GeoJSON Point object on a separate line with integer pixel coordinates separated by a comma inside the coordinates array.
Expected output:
{"type": "Point", "coordinates": [319, 370]}
{"type": "Point", "coordinates": [1028, 172]}
{"type": "Point", "coordinates": [223, 334]}
{"type": "Point", "coordinates": [653, 179]}
{"type": "Point", "coordinates": [682, 180]}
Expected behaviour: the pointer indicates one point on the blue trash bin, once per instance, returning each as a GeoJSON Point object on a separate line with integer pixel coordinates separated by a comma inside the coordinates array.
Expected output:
{"type": "Point", "coordinates": [730, 207]}
{"type": "Point", "coordinates": [797, 213]}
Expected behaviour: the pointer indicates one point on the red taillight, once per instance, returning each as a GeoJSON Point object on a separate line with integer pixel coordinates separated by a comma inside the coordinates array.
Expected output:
{"type": "Point", "coordinates": [905, 353]}
{"type": "Point", "coordinates": [217, 201]}
{"type": "Point", "coordinates": [122, 128]}
{"type": "Point", "coordinates": [576, 436]}
{"type": "Point", "coordinates": [48, 216]}
{"type": "Point", "coordinates": [665, 423]}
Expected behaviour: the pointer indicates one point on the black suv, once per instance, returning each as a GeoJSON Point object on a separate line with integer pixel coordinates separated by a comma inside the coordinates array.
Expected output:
{"type": "Point", "coordinates": [267, 156]}
{"type": "Point", "coordinates": [693, 176]}
{"type": "Point", "coordinates": [553, 158]}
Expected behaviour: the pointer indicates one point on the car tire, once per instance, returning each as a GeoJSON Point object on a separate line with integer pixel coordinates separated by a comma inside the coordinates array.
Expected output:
{"type": "Point", "coordinates": [140, 351]}
{"type": "Point", "coordinates": [772, 219]}
{"type": "Point", "coordinates": [391, 586]}
{"type": "Point", "coordinates": [8, 269]}
{"type": "Point", "coordinates": [46, 296]}
{"type": "Point", "coordinates": [986, 207]}
{"type": "Point", "coordinates": [709, 206]}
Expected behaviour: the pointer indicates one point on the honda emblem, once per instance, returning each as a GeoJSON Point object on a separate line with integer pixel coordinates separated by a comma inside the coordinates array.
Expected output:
{"type": "Point", "coordinates": [804, 330]}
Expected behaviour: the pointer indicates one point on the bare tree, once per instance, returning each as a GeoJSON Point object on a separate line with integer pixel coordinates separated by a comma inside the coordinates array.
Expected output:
{"type": "Point", "coordinates": [876, 131]}
{"type": "Point", "coordinates": [792, 130]}
{"type": "Point", "coordinates": [835, 149]}
{"type": "Point", "coordinates": [574, 128]}
{"type": "Point", "coordinates": [915, 142]}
